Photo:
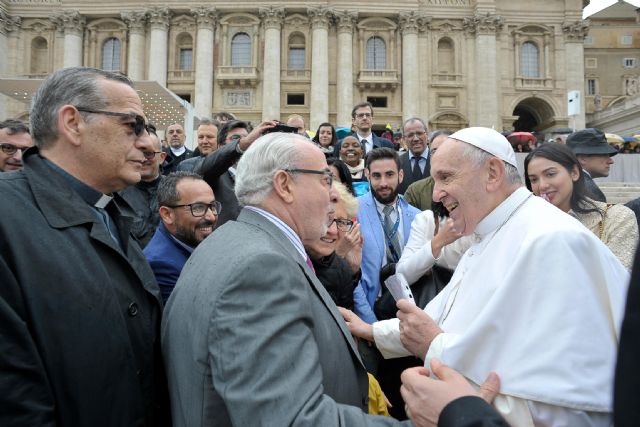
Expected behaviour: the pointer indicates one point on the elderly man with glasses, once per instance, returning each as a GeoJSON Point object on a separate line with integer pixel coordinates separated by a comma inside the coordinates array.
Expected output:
{"type": "Point", "coordinates": [79, 306]}
{"type": "Point", "coordinates": [14, 139]}
{"type": "Point", "coordinates": [189, 212]}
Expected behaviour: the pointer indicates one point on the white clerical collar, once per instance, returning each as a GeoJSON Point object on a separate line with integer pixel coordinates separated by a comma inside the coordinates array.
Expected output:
{"type": "Point", "coordinates": [500, 214]}
{"type": "Point", "coordinates": [178, 151]}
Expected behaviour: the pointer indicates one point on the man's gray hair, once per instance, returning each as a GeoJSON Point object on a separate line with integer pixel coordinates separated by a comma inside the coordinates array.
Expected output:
{"type": "Point", "coordinates": [478, 157]}
{"type": "Point", "coordinates": [76, 86]}
{"type": "Point", "coordinates": [267, 155]}
{"type": "Point", "coordinates": [411, 120]}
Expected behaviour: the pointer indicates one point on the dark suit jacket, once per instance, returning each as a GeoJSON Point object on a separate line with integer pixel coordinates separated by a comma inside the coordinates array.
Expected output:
{"type": "Point", "coordinates": [407, 166]}
{"type": "Point", "coordinates": [191, 165]}
{"type": "Point", "coordinates": [593, 189]}
{"type": "Point", "coordinates": [251, 337]}
{"type": "Point", "coordinates": [215, 170]}
{"type": "Point", "coordinates": [626, 411]}
{"type": "Point", "coordinates": [470, 411]}
{"type": "Point", "coordinates": [377, 143]}
{"type": "Point", "coordinates": [166, 258]}
{"type": "Point", "coordinates": [80, 315]}
{"type": "Point", "coordinates": [172, 161]}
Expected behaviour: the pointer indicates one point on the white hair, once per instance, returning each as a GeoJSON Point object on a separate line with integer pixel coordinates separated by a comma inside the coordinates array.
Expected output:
{"type": "Point", "coordinates": [255, 170]}
{"type": "Point", "coordinates": [478, 157]}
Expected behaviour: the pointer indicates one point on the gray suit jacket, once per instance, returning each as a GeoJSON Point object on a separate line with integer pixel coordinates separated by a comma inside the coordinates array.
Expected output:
{"type": "Point", "coordinates": [251, 337]}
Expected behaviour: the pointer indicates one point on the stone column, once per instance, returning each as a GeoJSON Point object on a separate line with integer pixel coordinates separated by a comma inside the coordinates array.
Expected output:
{"type": "Point", "coordinates": [345, 21]}
{"type": "Point", "coordinates": [410, 23]}
{"type": "Point", "coordinates": [136, 22]}
{"type": "Point", "coordinates": [272, 19]}
{"type": "Point", "coordinates": [574, 34]}
{"type": "Point", "coordinates": [159, 23]}
{"type": "Point", "coordinates": [320, 18]}
{"type": "Point", "coordinates": [206, 18]}
{"type": "Point", "coordinates": [72, 23]}
{"type": "Point", "coordinates": [8, 32]}
{"type": "Point", "coordinates": [485, 27]}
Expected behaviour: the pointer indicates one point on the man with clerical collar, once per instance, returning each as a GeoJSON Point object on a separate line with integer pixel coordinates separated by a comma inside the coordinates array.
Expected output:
{"type": "Point", "coordinates": [79, 304]}
{"type": "Point", "coordinates": [385, 221]}
{"type": "Point", "coordinates": [142, 196]}
{"type": "Point", "coordinates": [14, 140]}
{"type": "Point", "coordinates": [189, 212]}
{"type": "Point", "coordinates": [177, 152]}
{"type": "Point", "coordinates": [537, 298]}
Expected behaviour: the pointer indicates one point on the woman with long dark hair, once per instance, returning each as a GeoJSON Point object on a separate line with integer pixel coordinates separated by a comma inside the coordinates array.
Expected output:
{"type": "Point", "coordinates": [325, 138]}
{"type": "Point", "coordinates": [553, 172]}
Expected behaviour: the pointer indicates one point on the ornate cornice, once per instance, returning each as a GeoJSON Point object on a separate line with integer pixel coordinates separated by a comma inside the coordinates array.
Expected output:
{"type": "Point", "coordinates": [345, 20]}
{"type": "Point", "coordinates": [272, 17]}
{"type": "Point", "coordinates": [9, 23]}
{"type": "Point", "coordinates": [320, 17]}
{"type": "Point", "coordinates": [205, 16]}
{"type": "Point", "coordinates": [158, 17]}
{"type": "Point", "coordinates": [483, 24]}
{"type": "Point", "coordinates": [136, 21]}
{"type": "Point", "coordinates": [576, 31]}
{"type": "Point", "coordinates": [69, 21]}
{"type": "Point", "coordinates": [412, 22]}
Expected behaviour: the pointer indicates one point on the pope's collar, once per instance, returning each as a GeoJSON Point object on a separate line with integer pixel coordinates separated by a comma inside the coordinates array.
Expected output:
{"type": "Point", "coordinates": [500, 214]}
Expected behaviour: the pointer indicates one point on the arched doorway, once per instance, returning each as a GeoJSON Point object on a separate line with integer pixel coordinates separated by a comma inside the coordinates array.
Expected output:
{"type": "Point", "coordinates": [533, 115]}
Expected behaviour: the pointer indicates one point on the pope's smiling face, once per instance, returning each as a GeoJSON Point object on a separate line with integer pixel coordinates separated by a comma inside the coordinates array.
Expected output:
{"type": "Point", "coordinates": [459, 185]}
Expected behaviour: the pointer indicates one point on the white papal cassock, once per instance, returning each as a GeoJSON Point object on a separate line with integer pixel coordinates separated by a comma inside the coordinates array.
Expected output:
{"type": "Point", "coordinates": [539, 299]}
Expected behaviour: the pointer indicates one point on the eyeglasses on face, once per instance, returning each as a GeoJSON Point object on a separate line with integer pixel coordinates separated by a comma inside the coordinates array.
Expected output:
{"type": "Point", "coordinates": [11, 149]}
{"type": "Point", "coordinates": [328, 176]}
{"type": "Point", "coordinates": [137, 126]}
{"type": "Point", "coordinates": [363, 115]}
{"type": "Point", "coordinates": [419, 134]}
{"type": "Point", "coordinates": [344, 225]}
{"type": "Point", "coordinates": [200, 209]}
{"type": "Point", "coordinates": [150, 155]}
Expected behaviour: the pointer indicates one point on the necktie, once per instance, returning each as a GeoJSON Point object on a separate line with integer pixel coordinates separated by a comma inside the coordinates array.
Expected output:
{"type": "Point", "coordinates": [310, 264]}
{"type": "Point", "coordinates": [387, 211]}
{"type": "Point", "coordinates": [416, 172]}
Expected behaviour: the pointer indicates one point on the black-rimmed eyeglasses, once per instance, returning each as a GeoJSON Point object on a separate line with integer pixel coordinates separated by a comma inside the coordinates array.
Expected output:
{"type": "Point", "coordinates": [137, 126]}
{"type": "Point", "coordinates": [344, 225]}
{"type": "Point", "coordinates": [11, 149]}
{"type": "Point", "coordinates": [200, 209]}
{"type": "Point", "coordinates": [328, 176]}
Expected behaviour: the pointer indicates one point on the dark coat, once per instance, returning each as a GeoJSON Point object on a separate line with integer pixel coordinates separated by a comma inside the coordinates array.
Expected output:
{"type": "Point", "coordinates": [337, 278]}
{"type": "Point", "coordinates": [215, 170]}
{"type": "Point", "coordinates": [191, 165]}
{"type": "Point", "coordinates": [407, 168]}
{"type": "Point", "coordinates": [143, 199]}
{"type": "Point", "coordinates": [470, 411]}
{"type": "Point", "coordinates": [172, 161]}
{"type": "Point", "coordinates": [166, 258]}
{"type": "Point", "coordinates": [592, 188]}
{"type": "Point", "coordinates": [80, 316]}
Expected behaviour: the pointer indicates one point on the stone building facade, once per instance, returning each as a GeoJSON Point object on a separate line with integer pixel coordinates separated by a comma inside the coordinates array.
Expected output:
{"type": "Point", "coordinates": [507, 64]}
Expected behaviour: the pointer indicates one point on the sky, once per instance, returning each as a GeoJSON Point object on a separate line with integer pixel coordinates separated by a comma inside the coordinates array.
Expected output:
{"type": "Point", "coordinates": [597, 5]}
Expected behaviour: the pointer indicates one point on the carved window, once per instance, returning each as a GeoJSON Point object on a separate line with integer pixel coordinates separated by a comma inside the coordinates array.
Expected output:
{"type": "Point", "coordinates": [297, 53]}
{"type": "Point", "coordinates": [376, 53]}
{"type": "Point", "coordinates": [184, 45]}
{"type": "Point", "coordinates": [241, 49]}
{"type": "Point", "coordinates": [39, 56]}
{"type": "Point", "coordinates": [446, 54]}
{"type": "Point", "coordinates": [592, 87]}
{"type": "Point", "coordinates": [529, 60]}
{"type": "Point", "coordinates": [111, 54]}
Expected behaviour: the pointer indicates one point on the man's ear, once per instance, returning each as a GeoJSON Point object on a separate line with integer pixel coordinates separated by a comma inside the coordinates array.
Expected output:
{"type": "Point", "coordinates": [167, 215]}
{"type": "Point", "coordinates": [400, 176]}
{"type": "Point", "coordinates": [367, 174]}
{"type": "Point", "coordinates": [283, 186]}
{"type": "Point", "coordinates": [163, 156]}
{"type": "Point", "coordinates": [70, 124]}
{"type": "Point", "coordinates": [496, 172]}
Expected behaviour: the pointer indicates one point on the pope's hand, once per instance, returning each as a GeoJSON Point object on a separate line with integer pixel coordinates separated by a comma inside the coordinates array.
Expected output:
{"type": "Point", "coordinates": [426, 397]}
{"type": "Point", "coordinates": [417, 329]}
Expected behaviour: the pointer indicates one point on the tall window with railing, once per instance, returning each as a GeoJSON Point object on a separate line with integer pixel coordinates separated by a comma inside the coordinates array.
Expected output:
{"type": "Point", "coordinates": [241, 49]}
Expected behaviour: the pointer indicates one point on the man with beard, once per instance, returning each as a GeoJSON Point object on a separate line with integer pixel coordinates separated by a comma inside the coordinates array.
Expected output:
{"type": "Point", "coordinates": [189, 212]}
{"type": "Point", "coordinates": [385, 221]}
{"type": "Point", "coordinates": [142, 196]}
{"type": "Point", "coordinates": [176, 152]}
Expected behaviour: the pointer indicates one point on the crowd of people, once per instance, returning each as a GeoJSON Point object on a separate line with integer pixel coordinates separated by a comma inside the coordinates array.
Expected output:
{"type": "Point", "coordinates": [245, 282]}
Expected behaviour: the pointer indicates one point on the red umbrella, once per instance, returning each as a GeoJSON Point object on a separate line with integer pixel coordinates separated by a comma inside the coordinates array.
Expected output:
{"type": "Point", "coordinates": [521, 138]}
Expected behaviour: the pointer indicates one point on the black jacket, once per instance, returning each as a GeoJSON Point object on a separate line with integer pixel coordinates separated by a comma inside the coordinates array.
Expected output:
{"type": "Point", "coordinates": [143, 199]}
{"type": "Point", "coordinates": [215, 170]}
{"type": "Point", "coordinates": [172, 161]}
{"type": "Point", "coordinates": [337, 278]}
{"type": "Point", "coordinates": [80, 316]}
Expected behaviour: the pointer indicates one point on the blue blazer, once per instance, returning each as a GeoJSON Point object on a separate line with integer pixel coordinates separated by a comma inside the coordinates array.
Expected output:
{"type": "Point", "coordinates": [374, 252]}
{"type": "Point", "coordinates": [166, 258]}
